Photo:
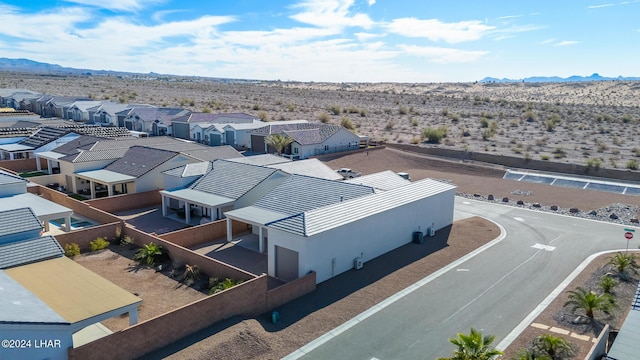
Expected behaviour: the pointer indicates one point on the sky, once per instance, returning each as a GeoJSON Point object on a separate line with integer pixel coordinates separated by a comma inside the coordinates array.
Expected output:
{"type": "Point", "coordinates": [329, 40]}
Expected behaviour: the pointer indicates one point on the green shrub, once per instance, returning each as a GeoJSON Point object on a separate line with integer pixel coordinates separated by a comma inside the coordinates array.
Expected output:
{"type": "Point", "coordinates": [148, 254]}
{"type": "Point", "coordinates": [71, 250]}
{"type": "Point", "coordinates": [126, 240]}
{"type": "Point", "coordinates": [484, 123]}
{"type": "Point", "coordinates": [594, 163]}
{"type": "Point", "coordinates": [98, 244]}
{"type": "Point", "coordinates": [324, 118]}
{"type": "Point", "coordinates": [335, 110]}
{"type": "Point", "coordinates": [544, 157]}
{"type": "Point", "coordinates": [347, 123]}
{"type": "Point", "coordinates": [607, 284]}
{"type": "Point", "coordinates": [632, 165]}
{"type": "Point", "coordinates": [217, 286]}
{"type": "Point", "coordinates": [434, 136]}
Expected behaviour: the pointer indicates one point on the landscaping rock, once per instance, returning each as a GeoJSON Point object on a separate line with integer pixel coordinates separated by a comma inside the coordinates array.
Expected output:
{"type": "Point", "coordinates": [505, 199]}
{"type": "Point", "coordinates": [490, 197]}
{"type": "Point", "coordinates": [520, 202]}
{"type": "Point", "coordinates": [613, 216]}
{"type": "Point", "coordinates": [581, 320]}
{"type": "Point", "coordinates": [477, 195]}
{"type": "Point", "coordinates": [574, 210]}
{"type": "Point", "coordinates": [635, 221]}
{"type": "Point", "coordinates": [593, 213]}
{"type": "Point", "coordinates": [536, 205]}
{"type": "Point", "coordinates": [554, 207]}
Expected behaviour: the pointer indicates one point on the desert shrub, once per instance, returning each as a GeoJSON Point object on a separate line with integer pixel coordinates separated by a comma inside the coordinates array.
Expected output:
{"type": "Point", "coordinates": [347, 123]}
{"type": "Point", "coordinates": [594, 163]}
{"type": "Point", "coordinates": [559, 152]}
{"type": "Point", "coordinates": [191, 273]}
{"type": "Point", "coordinates": [415, 140]}
{"type": "Point", "coordinates": [403, 110]}
{"type": "Point", "coordinates": [434, 136]}
{"type": "Point", "coordinates": [632, 164]}
{"type": "Point", "coordinates": [98, 244]}
{"type": "Point", "coordinates": [262, 115]}
{"type": "Point", "coordinates": [256, 107]}
{"type": "Point", "coordinates": [544, 157]}
{"type": "Point", "coordinates": [444, 112]}
{"type": "Point", "coordinates": [335, 110]}
{"type": "Point", "coordinates": [126, 240]}
{"type": "Point", "coordinates": [530, 116]}
{"type": "Point", "coordinates": [148, 254]}
{"type": "Point", "coordinates": [71, 250]}
{"type": "Point", "coordinates": [389, 126]}
{"type": "Point", "coordinates": [636, 151]}
{"type": "Point", "coordinates": [217, 286]}
{"type": "Point", "coordinates": [455, 117]}
{"type": "Point", "coordinates": [324, 118]}
{"type": "Point", "coordinates": [414, 122]}
{"type": "Point", "coordinates": [484, 122]}
{"type": "Point", "coordinates": [363, 113]}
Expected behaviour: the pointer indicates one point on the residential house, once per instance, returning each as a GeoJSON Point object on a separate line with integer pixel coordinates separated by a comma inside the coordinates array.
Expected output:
{"type": "Point", "coordinates": [183, 127]}
{"type": "Point", "coordinates": [333, 229]}
{"type": "Point", "coordinates": [7, 96]}
{"type": "Point", "coordinates": [14, 195]}
{"type": "Point", "coordinates": [82, 110]}
{"type": "Point", "coordinates": [106, 114]}
{"type": "Point", "coordinates": [58, 106]}
{"type": "Point", "coordinates": [225, 186]}
{"type": "Point", "coordinates": [39, 305]}
{"type": "Point", "coordinates": [153, 121]}
{"type": "Point", "coordinates": [309, 139]}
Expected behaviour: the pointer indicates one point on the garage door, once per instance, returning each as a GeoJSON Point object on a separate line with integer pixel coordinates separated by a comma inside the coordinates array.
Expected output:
{"type": "Point", "coordinates": [286, 264]}
{"type": "Point", "coordinates": [215, 139]}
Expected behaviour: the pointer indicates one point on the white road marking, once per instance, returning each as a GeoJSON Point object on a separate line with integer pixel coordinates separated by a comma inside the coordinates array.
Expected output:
{"type": "Point", "coordinates": [518, 219]}
{"type": "Point", "coordinates": [544, 247]}
{"type": "Point", "coordinates": [462, 269]}
{"type": "Point", "coordinates": [466, 203]}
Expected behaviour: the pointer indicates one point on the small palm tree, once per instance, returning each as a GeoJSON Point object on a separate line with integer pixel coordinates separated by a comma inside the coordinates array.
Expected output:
{"type": "Point", "coordinates": [527, 354]}
{"type": "Point", "coordinates": [554, 346]}
{"type": "Point", "coordinates": [607, 284]}
{"type": "Point", "coordinates": [278, 141]}
{"type": "Point", "coordinates": [624, 263]}
{"type": "Point", "coordinates": [589, 302]}
{"type": "Point", "coordinates": [473, 347]}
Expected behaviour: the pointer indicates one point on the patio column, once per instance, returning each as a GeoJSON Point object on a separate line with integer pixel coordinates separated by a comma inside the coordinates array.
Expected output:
{"type": "Point", "coordinates": [49, 167]}
{"type": "Point", "coordinates": [67, 223]}
{"type": "Point", "coordinates": [164, 206]}
{"type": "Point", "coordinates": [260, 242]}
{"type": "Point", "coordinates": [92, 186]}
{"type": "Point", "coordinates": [187, 212]}
{"type": "Point", "coordinates": [229, 230]}
{"type": "Point", "coordinates": [133, 316]}
{"type": "Point", "coordinates": [109, 190]}
{"type": "Point", "coordinates": [38, 166]}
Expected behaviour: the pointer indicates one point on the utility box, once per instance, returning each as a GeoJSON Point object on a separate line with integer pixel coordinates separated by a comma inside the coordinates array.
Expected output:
{"type": "Point", "coordinates": [417, 237]}
{"type": "Point", "coordinates": [358, 263]}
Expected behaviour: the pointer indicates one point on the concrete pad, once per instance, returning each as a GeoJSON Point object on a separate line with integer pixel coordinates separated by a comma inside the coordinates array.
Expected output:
{"type": "Point", "coordinates": [540, 326]}
{"type": "Point", "coordinates": [89, 334]}
{"type": "Point", "coordinates": [581, 337]}
{"type": "Point", "coordinates": [559, 330]}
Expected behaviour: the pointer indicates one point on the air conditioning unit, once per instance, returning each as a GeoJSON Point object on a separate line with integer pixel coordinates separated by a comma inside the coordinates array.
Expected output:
{"type": "Point", "coordinates": [358, 263]}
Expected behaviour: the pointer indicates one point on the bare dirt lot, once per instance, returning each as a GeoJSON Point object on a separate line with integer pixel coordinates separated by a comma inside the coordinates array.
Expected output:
{"type": "Point", "coordinates": [594, 122]}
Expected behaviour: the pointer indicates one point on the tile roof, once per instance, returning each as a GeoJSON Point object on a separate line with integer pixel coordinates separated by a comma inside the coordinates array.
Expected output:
{"type": "Point", "coordinates": [299, 193]}
{"type": "Point", "coordinates": [139, 160]}
{"type": "Point", "coordinates": [88, 156]}
{"type": "Point", "coordinates": [384, 180]}
{"type": "Point", "coordinates": [17, 221]}
{"type": "Point", "coordinates": [309, 167]}
{"type": "Point", "coordinates": [195, 169]}
{"type": "Point", "coordinates": [313, 135]}
{"type": "Point", "coordinates": [231, 179]}
{"type": "Point", "coordinates": [230, 118]}
{"type": "Point", "coordinates": [309, 223]}
{"type": "Point", "coordinates": [261, 159]}
{"type": "Point", "coordinates": [29, 251]}
{"type": "Point", "coordinates": [164, 115]}
{"type": "Point", "coordinates": [211, 153]}
{"type": "Point", "coordinates": [74, 146]}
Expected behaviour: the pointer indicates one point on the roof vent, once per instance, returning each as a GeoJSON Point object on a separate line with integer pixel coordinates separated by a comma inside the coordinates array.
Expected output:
{"type": "Point", "coordinates": [341, 198]}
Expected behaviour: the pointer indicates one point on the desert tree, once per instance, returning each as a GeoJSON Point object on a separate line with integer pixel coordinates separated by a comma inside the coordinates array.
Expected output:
{"type": "Point", "coordinates": [278, 141]}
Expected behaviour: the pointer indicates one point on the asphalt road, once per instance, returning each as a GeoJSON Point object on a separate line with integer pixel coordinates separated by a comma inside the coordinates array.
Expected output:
{"type": "Point", "coordinates": [492, 291]}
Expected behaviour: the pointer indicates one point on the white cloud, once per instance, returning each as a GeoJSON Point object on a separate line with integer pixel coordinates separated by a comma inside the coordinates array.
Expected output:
{"type": "Point", "coordinates": [362, 36]}
{"type": "Point", "coordinates": [443, 55]}
{"type": "Point", "coordinates": [599, 6]}
{"type": "Point", "coordinates": [372, 2]}
{"type": "Point", "coordinates": [331, 14]}
{"type": "Point", "coordinates": [509, 17]}
{"type": "Point", "coordinates": [548, 41]}
{"type": "Point", "coordinates": [535, 14]}
{"type": "Point", "coordinates": [126, 5]}
{"type": "Point", "coordinates": [436, 30]}
{"type": "Point", "coordinates": [566, 43]}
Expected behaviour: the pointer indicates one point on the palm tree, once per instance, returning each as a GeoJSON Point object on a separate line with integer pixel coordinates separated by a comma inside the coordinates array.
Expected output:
{"type": "Point", "coordinates": [473, 347]}
{"type": "Point", "coordinates": [148, 254]}
{"type": "Point", "coordinates": [624, 263]}
{"type": "Point", "coordinates": [588, 301]}
{"type": "Point", "coordinates": [607, 283]}
{"type": "Point", "coordinates": [526, 354]}
{"type": "Point", "coordinates": [278, 141]}
{"type": "Point", "coordinates": [554, 346]}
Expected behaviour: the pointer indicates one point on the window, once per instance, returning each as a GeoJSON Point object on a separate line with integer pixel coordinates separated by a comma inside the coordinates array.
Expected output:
{"type": "Point", "coordinates": [295, 150]}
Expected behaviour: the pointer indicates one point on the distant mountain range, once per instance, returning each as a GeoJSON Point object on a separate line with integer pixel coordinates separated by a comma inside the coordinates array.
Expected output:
{"type": "Point", "coordinates": [30, 66]}
{"type": "Point", "coordinates": [575, 78]}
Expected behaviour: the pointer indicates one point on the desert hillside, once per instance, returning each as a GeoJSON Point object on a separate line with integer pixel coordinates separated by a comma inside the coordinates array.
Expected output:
{"type": "Point", "coordinates": [593, 123]}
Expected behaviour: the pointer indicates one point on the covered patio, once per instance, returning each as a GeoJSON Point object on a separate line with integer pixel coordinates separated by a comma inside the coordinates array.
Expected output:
{"type": "Point", "coordinates": [258, 218]}
{"type": "Point", "coordinates": [103, 183]}
{"type": "Point", "coordinates": [15, 151]}
{"type": "Point", "coordinates": [194, 207]}
{"type": "Point", "coordinates": [44, 209]}
{"type": "Point", "coordinates": [53, 165]}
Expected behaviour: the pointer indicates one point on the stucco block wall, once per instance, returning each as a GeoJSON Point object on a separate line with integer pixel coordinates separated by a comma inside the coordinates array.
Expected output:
{"type": "Point", "coordinates": [83, 237]}
{"type": "Point", "coordinates": [126, 202]}
{"type": "Point", "coordinates": [369, 237]}
{"type": "Point", "coordinates": [200, 234]}
{"type": "Point", "coordinates": [77, 206]}
{"type": "Point", "coordinates": [22, 165]}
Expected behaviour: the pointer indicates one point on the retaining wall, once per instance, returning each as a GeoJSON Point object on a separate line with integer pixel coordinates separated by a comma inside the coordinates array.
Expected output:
{"type": "Point", "coordinates": [83, 237]}
{"type": "Point", "coordinates": [22, 165]}
{"type": "Point", "coordinates": [77, 206]}
{"type": "Point", "coordinates": [519, 162]}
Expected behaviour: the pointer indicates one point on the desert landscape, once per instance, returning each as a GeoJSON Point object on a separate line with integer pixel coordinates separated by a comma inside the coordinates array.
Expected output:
{"type": "Point", "coordinates": [588, 123]}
